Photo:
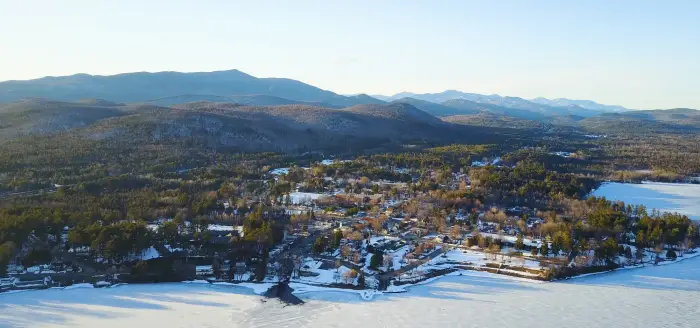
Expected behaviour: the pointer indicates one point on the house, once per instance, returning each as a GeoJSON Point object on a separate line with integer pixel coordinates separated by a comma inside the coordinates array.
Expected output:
{"type": "Point", "coordinates": [42, 268]}
{"type": "Point", "coordinates": [33, 284]}
{"type": "Point", "coordinates": [409, 236]}
{"type": "Point", "coordinates": [223, 236]}
{"type": "Point", "coordinates": [7, 283]}
{"type": "Point", "coordinates": [204, 270]}
{"type": "Point", "coordinates": [533, 222]}
{"type": "Point", "coordinates": [15, 268]}
{"type": "Point", "coordinates": [393, 225]}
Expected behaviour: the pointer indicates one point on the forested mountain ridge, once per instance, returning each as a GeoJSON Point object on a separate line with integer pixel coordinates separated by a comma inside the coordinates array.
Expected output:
{"type": "Point", "coordinates": [588, 104]}
{"type": "Point", "coordinates": [41, 116]}
{"type": "Point", "coordinates": [489, 119]}
{"type": "Point", "coordinates": [248, 100]}
{"type": "Point", "coordinates": [465, 104]}
{"type": "Point", "coordinates": [145, 139]}
{"type": "Point", "coordinates": [144, 86]}
{"type": "Point", "coordinates": [680, 120]}
{"type": "Point", "coordinates": [226, 126]}
{"type": "Point", "coordinates": [233, 86]}
{"type": "Point", "coordinates": [94, 138]}
{"type": "Point", "coordinates": [439, 110]}
{"type": "Point", "coordinates": [395, 122]}
{"type": "Point", "coordinates": [539, 105]}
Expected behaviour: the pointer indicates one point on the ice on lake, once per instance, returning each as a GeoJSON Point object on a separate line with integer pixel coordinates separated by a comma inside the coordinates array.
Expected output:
{"type": "Point", "coordinates": [668, 197]}
{"type": "Point", "coordinates": [654, 296]}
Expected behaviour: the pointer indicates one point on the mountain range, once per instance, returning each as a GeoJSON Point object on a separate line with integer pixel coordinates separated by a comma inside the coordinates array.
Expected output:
{"type": "Point", "coordinates": [546, 107]}
{"type": "Point", "coordinates": [155, 87]}
{"type": "Point", "coordinates": [222, 126]}
{"type": "Point", "coordinates": [234, 109]}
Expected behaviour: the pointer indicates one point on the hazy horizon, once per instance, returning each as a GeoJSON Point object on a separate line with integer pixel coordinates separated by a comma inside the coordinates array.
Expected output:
{"type": "Point", "coordinates": [636, 54]}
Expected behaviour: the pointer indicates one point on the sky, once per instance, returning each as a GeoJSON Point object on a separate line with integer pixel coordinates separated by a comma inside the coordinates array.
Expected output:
{"type": "Point", "coordinates": [638, 54]}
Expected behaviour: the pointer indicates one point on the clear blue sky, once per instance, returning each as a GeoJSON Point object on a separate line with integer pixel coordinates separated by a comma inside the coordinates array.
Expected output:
{"type": "Point", "coordinates": [639, 54]}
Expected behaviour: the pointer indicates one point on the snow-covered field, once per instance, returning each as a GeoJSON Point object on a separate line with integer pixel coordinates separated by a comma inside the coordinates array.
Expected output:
{"type": "Point", "coordinates": [661, 296]}
{"type": "Point", "coordinates": [670, 197]}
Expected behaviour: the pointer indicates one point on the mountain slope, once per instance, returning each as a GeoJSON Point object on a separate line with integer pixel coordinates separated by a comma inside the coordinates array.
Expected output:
{"type": "Point", "coordinates": [679, 120]}
{"type": "Point", "coordinates": [434, 109]}
{"type": "Point", "coordinates": [680, 116]}
{"type": "Point", "coordinates": [396, 111]}
{"type": "Point", "coordinates": [224, 124]}
{"type": "Point", "coordinates": [250, 100]}
{"type": "Point", "coordinates": [488, 119]}
{"type": "Point", "coordinates": [508, 102]}
{"type": "Point", "coordinates": [468, 105]}
{"type": "Point", "coordinates": [587, 104]}
{"type": "Point", "coordinates": [223, 127]}
{"type": "Point", "coordinates": [143, 86]}
{"type": "Point", "coordinates": [437, 98]}
{"type": "Point", "coordinates": [41, 116]}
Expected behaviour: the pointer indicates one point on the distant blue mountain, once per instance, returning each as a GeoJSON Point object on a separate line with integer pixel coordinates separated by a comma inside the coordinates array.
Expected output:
{"type": "Point", "coordinates": [144, 87]}
{"type": "Point", "coordinates": [541, 106]}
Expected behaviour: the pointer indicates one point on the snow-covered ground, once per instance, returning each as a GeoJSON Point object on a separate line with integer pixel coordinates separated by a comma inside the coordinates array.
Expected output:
{"type": "Point", "coordinates": [565, 154]}
{"type": "Point", "coordinates": [670, 197]}
{"type": "Point", "coordinates": [322, 277]}
{"type": "Point", "coordinates": [463, 257]}
{"type": "Point", "coordinates": [653, 296]}
{"type": "Point", "coordinates": [304, 197]}
{"type": "Point", "coordinates": [397, 257]}
{"type": "Point", "coordinates": [480, 258]}
{"type": "Point", "coordinates": [280, 171]}
{"type": "Point", "coordinates": [513, 239]}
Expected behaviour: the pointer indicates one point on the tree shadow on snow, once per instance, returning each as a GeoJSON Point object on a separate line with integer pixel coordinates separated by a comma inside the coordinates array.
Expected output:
{"type": "Point", "coordinates": [56, 306]}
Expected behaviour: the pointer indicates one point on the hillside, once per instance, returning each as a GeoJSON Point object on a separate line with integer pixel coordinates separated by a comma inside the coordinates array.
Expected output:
{"type": "Point", "coordinates": [587, 104]}
{"type": "Point", "coordinates": [289, 128]}
{"type": "Point", "coordinates": [541, 106]}
{"type": "Point", "coordinates": [401, 112]}
{"type": "Point", "coordinates": [645, 122]}
{"type": "Point", "coordinates": [487, 119]}
{"type": "Point", "coordinates": [680, 116]}
{"type": "Point", "coordinates": [434, 109]}
{"type": "Point", "coordinates": [40, 116]}
{"type": "Point", "coordinates": [249, 100]}
{"type": "Point", "coordinates": [468, 105]}
{"type": "Point", "coordinates": [182, 99]}
{"type": "Point", "coordinates": [144, 86]}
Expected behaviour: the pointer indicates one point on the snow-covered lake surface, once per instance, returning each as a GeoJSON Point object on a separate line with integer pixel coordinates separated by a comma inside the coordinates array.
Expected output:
{"type": "Point", "coordinates": [671, 197]}
{"type": "Point", "coordinates": [663, 296]}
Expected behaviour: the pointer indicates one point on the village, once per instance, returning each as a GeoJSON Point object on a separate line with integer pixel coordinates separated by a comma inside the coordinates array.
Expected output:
{"type": "Point", "coordinates": [353, 234]}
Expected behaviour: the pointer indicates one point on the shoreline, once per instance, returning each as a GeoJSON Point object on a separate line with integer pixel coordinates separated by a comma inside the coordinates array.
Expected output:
{"type": "Point", "coordinates": [631, 267]}
{"type": "Point", "coordinates": [259, 288]}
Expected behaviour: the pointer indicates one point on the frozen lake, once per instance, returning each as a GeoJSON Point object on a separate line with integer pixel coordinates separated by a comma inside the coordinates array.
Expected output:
{"type": "Point", "coordinates": [671, 197]}
{"type": "Point", "coordinates": [663, 296]}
